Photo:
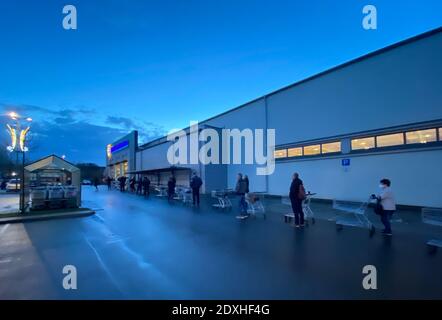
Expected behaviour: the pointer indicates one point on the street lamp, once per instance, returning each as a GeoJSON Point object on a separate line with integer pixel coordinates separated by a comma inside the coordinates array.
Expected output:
{"type": "Point", "coordinates": [18, 132]}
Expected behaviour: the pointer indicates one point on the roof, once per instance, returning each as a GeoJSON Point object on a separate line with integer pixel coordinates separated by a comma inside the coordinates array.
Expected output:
{"type": "Point", "coordinates": [51, 162]}
{"type": "Point", "coordinates": [320, 74]}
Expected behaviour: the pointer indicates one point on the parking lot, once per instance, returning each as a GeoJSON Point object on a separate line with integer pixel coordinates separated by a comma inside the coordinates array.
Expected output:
{"type": "Point", "coordinates": [9, 202]}
{"type": "Point", "coordinates": [136, 248]}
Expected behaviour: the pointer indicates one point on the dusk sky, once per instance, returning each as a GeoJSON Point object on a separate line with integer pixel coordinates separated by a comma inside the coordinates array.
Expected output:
{"type": "Point", "coordinates": [156, 65]}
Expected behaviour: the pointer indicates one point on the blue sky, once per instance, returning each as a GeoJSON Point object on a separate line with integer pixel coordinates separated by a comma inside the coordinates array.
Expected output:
{"type": "Point", "coordinates": [156, 65]}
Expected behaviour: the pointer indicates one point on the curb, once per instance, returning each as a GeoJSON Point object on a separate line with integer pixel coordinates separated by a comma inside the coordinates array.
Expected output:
{"type": "Point", "coordinates": [84, 213]}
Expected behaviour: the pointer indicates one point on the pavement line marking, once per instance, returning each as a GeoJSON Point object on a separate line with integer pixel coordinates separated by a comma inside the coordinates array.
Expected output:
{"type": "Point", "coordinates": [103, 265]}
{"type": "Point", "coordinates": [3, 229]}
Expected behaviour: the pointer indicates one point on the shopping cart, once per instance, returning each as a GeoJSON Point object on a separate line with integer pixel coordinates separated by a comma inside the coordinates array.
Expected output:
{"type": "Point", "coordinates": [178, 194]}
{"type": "Point", "coordinates": [255, 205]}
{"type": "Point", "coordinates": [187, 196]}
{"type": "Point", "coordinates": [38, 197]}
{"type": "Point", "coordinates": [308, 212]}
{"type": "Point", "coordinates": [433, 216]}
{"type": "Point", "coordinates": [161, 191]}
{"type": "Point", "coordinates": [222, 197]}
{"type": "Point", "coordinates": [359, 212]}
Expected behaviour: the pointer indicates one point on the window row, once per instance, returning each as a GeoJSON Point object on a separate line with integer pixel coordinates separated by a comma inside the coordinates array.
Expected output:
{"type": "Point", "coordinates": [366, 143]}
{"type": "Point", "coordinates": [397, 139]}
{"type": "Point", "coordinates": [310, 150]}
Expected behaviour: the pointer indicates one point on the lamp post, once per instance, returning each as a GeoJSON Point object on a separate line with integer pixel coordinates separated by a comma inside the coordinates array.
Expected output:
{"type": "Point", "coordinates": [18, 132]}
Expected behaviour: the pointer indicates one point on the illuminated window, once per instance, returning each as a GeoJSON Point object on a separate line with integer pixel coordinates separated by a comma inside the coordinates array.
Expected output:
{"type": "Point", "coordinates": [295, 152]}
{"type": "Point", "coordinates": [389, 140]}
{"type": "Point", "coordinates": [280, 153]}
{"type": "Point", "coordinates": [312, 150]}
{"type": "Point", "coordinates": [440, 134]}
{"type": "Point", "coordinates": [125, 168]}
{"type": "Point", "coordinates": [362, 144]}
{"type": "Point", "coordinates": [331, 147]}
{"type": "Point", "coordinates": [421, 136]}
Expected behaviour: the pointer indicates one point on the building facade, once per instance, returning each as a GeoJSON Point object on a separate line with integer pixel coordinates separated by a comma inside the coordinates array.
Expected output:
{"type": "Point", "coordinates": [120, 156]}
{"type": "Point", "coordinates": [378, 116]}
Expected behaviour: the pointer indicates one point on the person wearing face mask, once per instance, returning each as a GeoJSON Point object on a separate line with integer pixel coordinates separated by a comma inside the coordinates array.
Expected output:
{"type": "Point", "coordinates": [388, 205]}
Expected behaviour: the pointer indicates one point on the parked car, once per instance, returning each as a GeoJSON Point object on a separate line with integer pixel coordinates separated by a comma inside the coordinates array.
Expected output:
{"type": "Point", "coordinates": [86, 182]}
{"type": "Point", "coordinates": [13, 185]}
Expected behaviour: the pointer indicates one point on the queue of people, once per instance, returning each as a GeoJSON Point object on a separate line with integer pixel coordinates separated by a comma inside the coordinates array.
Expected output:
{"type": "Point", "coordinates": [141, 186]}
{"type": "Point", "coordinates": [385, 207]}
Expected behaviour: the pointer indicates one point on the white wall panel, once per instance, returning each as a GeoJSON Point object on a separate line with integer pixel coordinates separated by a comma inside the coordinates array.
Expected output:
{"type": "Point", "coordinates": [416, 177]}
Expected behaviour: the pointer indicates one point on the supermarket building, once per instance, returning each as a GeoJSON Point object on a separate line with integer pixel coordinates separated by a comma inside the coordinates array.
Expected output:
{"type": "Point", "coordinates": [378, 116]}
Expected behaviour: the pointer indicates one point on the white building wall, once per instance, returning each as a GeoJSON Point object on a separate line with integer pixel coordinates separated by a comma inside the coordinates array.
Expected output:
{"type": "Point", "coordinates": [399, 86]}
{"type": "Point", "coordinates": [153, 158]}
{"type": "Point", "coordinates": [416, 177]}
{"type": "Point", "coordinates": [252, 116]}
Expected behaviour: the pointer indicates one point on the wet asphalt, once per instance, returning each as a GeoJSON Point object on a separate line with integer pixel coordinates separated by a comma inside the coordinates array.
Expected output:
{"type": "Point", "coordinates": [137, 248]}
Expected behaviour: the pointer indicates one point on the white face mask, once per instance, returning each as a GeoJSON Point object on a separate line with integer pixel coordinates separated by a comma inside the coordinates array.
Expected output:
{"type": "Point", "coordinates": [382, 186]}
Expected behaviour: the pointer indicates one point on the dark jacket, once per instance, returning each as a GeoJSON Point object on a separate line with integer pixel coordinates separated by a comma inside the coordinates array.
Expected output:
{"type": "Point", "coordinates": [196, 182]}
{"type": "Point", "coordinates": [171, 185]}
{"type": "Point", "coordinates": [146, 183]}
{"type": "Point", "coordinates": [294, 189]}
{"type": "Point", "coordinates": [241, 187]}
{"type": "Point", "coordinates": [246, 180]}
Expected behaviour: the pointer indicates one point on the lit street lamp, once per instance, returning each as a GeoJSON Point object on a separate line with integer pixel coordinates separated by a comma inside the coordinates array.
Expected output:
{"type": "Point", "coordinates": [18, 132]}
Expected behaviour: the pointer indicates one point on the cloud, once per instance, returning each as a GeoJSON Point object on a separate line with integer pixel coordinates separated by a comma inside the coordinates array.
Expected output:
{"type": "Point", "coordinates": [65, 115]}
{"type": "Point", "coordinates": [126, 122]}
{"type": "Point", "coordinates": [146, 130]}
{"type": "Point", "coordinates": [76, 133]}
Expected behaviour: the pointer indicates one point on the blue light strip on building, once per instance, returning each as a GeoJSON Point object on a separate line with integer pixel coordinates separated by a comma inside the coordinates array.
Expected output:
{"type": "Point", "coordinates": [120, 146]}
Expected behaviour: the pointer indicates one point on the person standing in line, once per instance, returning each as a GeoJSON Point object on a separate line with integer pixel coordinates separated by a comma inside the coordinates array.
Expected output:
{"type": "Point", "coordinates": [96, 182]}
{"type": "Point", "coordinates": [240, 190]}
{"type": "Point", "coordinates": [388, 205]}
{"type": "Point", "coordinates": [246, 180]}
{"type": "Point", "coordinates": [139, 185]}
{"type": "Point", "coordinates": [195, 184]}
{"type": "Point", "coordinates": [109, 183]}
{"type": "Point", "coordinates": [146, 186]}
{"type": "Point", "coordinates": [132, 184]}
{"type": "Point", "coordinates": [122, 180]}
{"type": "Point", "coordinates": [120, 183]}
{"type": "Point", "coordinates": [171, 188]}
{"type": "Point", "coordinates": [297, 195]}
{"type": "Point", "coordinates": [124, 183]}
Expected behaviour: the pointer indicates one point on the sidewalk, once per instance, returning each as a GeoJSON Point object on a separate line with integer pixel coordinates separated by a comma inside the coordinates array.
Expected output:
{"type": "Point", "coordinates": [45, 215]}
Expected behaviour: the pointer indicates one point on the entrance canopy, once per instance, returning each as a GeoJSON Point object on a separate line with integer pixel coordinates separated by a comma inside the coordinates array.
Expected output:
{"type": "Point", "coordinates": [159, 170]}
{"type": "Point", "coordinates": [160, 176]}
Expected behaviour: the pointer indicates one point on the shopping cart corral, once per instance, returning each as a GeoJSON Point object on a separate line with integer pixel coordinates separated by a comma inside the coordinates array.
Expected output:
{"type": "Point", "coordinates": [308, 212]}
{"type": "Point", "coordinates": [433, 216]}
{"type": "Point", "coordinates": [222, 197]}
{"type": "Point", "coordinates": [358, 212]}
{"type": "Point", "coordinates": [255, 205]}
{"type": "Point", "coordinates": [53, 197]}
